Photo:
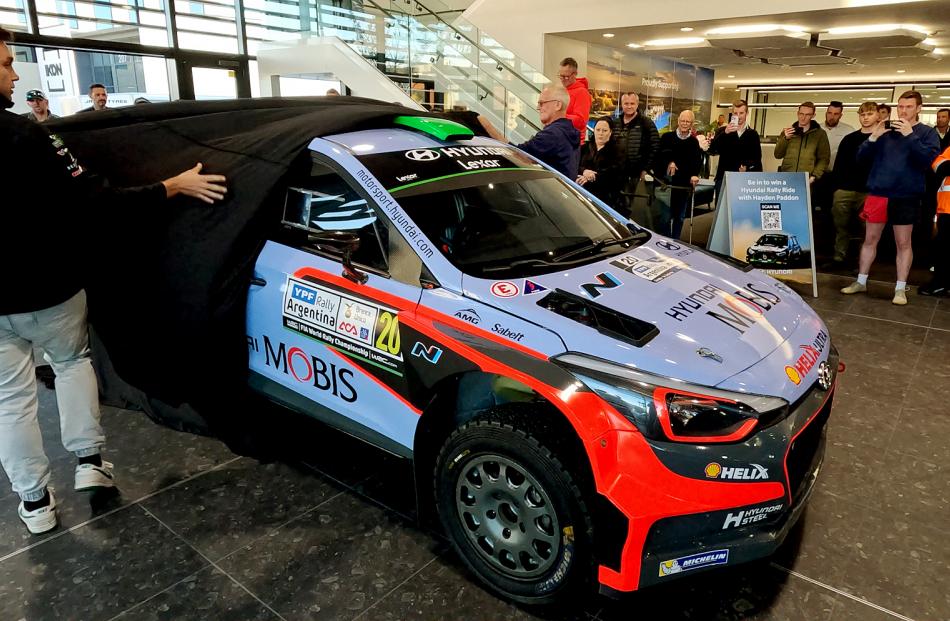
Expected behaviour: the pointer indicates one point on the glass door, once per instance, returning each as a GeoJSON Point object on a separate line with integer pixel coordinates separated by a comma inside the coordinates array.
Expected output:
{"type": "Point", "coordinates": [204, 78]}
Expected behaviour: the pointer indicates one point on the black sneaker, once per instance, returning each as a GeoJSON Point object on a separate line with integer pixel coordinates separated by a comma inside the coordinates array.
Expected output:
{"type": "Point", "coordinates": [933, 289]}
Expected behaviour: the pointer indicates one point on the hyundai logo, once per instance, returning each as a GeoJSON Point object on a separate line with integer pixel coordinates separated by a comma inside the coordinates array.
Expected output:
{"type": "Point", "coordinates": [709, 354]}
{"type": "Point", "coordinates": [423, 155]}
{"type": "Point", "coordinates": [824, 375]}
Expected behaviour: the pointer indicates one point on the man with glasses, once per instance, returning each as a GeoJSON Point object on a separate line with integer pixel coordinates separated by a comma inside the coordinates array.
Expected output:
{"type": "Point", "coordinates": [578, 111]}
{"type": "Point", "coordinates": [39, 107]}
{"type": "Point", "coordinates": [804, 146]}
{"type": "Point", "coordinates": [556, 143]}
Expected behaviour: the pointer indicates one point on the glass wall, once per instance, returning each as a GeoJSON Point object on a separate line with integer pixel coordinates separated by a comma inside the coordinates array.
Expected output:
{"type": "Point", "coordinates": [775, 108]}
{"type": "Point", "coordinates": [665, 87]}
{"type": "Point", "coordinates": [65, 75]}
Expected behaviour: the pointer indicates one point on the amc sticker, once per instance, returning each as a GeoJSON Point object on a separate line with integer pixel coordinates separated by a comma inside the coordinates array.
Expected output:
{"type": "Point", "coordinates": [504, 289]}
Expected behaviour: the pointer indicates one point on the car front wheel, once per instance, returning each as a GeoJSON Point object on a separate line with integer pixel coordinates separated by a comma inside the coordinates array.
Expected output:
{"type": "Point", "coordinates": [513, 512]}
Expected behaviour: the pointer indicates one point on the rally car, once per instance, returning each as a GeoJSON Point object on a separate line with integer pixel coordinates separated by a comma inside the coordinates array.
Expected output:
{"type": "Point", "coordinates": [775, 249]}
{"type": "Point", "coordinates": [584, 402]}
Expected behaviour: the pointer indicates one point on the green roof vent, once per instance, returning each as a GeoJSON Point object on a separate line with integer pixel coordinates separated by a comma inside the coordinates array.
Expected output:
{"type": "Point", "coordinates": [442, 129]}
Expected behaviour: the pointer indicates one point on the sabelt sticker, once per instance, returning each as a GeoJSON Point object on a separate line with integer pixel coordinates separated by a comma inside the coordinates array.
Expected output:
{"type": "Point", "coordinates": [693, 561]}
{"type": "Point", "coordinates": [504, 289]}
{"type": "Point", "coordinates": [355, 327]}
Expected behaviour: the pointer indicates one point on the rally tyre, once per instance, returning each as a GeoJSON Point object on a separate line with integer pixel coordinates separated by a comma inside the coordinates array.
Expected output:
{"type": "Point", "coordinates": [513, 512]}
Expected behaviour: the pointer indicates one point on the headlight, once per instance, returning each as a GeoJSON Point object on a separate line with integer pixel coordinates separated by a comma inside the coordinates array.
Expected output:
{"type": "Point", "coordinates": [668, 409]}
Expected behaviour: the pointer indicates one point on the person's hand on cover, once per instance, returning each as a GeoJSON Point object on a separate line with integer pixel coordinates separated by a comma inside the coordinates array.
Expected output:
{"type": "Point", "coordinates": [192, 183]}
{"type": "Point", "coordinates": [589, 175]}
{"type": "Point", "coordinates": [742, 168]}
{"type": "Point", "coordinates": [581, 180]}
{"type": "Point", "coordinates": [694, 180]}
{"type": "Point", "coordinates": [671, 169]}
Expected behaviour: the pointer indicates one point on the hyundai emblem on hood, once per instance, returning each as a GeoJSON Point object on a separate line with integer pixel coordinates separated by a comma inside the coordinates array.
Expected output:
{"type": "Point", "coordinates": [824, 375]}
{"type": "Point", "coordinates": [710, 354]}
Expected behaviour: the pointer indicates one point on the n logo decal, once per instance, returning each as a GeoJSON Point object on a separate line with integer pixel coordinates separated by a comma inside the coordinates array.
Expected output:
{"type": "Point", "coordinates": [606, 281]}
{"type": "Point", "coordinates": [430, 353]}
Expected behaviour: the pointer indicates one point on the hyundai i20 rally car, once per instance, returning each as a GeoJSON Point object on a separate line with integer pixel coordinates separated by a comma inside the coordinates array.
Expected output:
{"type": "Point", "coordinates": [584, 402]}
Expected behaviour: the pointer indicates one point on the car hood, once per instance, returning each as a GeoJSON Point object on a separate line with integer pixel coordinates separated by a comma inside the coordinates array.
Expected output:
{"type": "Point", "coordinates": [710, 320]}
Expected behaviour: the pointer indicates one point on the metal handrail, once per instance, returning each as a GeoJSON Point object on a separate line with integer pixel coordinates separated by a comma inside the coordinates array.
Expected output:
{"type": "Point", "coordinates": [478, 47]}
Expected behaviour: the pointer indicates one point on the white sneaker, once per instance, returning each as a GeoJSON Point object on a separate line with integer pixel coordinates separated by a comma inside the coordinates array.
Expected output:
{"type": "Point", "coordinates": [90, 476]}
{"type": "Point", "coordinates": [854, 287]}
{"type": "Point", "coordinates": [900, 297]}
{"type": "Point", "coordinates": [39, 520]}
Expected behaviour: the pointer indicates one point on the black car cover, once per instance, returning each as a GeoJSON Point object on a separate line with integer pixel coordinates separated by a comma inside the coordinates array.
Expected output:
{"type": "Point", "coordinates": [168, 285]}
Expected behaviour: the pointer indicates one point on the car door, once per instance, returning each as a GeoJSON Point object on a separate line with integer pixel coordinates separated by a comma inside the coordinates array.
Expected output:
{"type": "Point", "coordinates": [324, 323]}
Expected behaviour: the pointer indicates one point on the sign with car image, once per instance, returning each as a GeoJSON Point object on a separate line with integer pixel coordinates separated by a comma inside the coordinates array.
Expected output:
{"type": "Point", "coordinates": [765, 219]}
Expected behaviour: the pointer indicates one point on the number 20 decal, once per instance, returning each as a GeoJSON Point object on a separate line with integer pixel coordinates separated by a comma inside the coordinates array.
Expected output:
{"type": "Point", "coordinates": [388, 339]}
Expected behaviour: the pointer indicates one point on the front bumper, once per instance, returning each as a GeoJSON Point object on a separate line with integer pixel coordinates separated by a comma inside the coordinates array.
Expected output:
{"type": "Point", "coordinates": [681, 522]}
{"type": "Point", "coordinates": [767, 259]}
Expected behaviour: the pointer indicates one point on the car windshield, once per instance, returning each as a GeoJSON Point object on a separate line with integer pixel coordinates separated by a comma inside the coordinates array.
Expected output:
{"type": "Point", "coordinates": [514, 226]}
{"type": "Point", "coordinates": [773, 240]}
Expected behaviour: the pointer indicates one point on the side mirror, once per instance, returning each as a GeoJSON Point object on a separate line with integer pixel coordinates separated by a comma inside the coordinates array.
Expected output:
{"type": "Point", "coordinates": [345, 243]}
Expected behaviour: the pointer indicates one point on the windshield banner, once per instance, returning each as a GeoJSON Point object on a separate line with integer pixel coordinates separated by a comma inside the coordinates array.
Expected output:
{"type": "Point", "coordinates": [399, 170]}
{"type": "Point", "coordinates": [765, 219]}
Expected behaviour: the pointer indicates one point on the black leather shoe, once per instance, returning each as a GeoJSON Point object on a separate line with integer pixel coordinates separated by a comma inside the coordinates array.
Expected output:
{"type": "Point", "coordinates": [937, 291]}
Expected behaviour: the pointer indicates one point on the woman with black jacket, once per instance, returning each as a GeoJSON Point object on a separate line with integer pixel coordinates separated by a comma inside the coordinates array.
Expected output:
{"type": "Point", "coordinates": [600, 165]}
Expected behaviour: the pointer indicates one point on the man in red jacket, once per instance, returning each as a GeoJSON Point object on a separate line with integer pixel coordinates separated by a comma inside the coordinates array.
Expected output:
{"type": "Point", "coordinates": [578, 111]}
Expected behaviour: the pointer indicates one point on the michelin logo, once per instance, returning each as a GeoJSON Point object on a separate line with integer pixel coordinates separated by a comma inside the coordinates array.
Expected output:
{"type": "Point", "coordinates": [695, 561]}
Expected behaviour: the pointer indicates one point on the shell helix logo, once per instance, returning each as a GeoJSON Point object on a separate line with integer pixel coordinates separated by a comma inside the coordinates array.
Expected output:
{"type": "Point", "coordinates": [793, 375]}
{"type": "Point", "coordinates": [713, 470]}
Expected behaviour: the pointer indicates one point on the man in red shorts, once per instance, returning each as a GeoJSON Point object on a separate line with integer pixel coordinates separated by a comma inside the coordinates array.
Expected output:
{"type": "Point", "coordinates": [900, 157]}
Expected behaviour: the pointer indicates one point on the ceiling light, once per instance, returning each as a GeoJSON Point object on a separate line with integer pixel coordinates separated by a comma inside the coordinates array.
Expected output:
{"type": "Point", "coordinates": [940, 51]}
{"type": "Point", "coordinates": [877, 28]}
{"type": "Point", "coordinates": [634, 46]}
{"type": "Point", "coordinates": [901, 71]}
{"type": "Point", "coordinates": [730, 76]}
{"type": "Point", "coordinates": [809, 73]}
{"type": "Point", "coordinates": [674, 42]}
{"type": "Point", "coordinates": [686, 29]}
{"type": "Point", "coordinates": [929, 41]}
{"type": "Point", "coordinates": [608, 35]}
{"type": "Point", "coordinates": [754, 28]}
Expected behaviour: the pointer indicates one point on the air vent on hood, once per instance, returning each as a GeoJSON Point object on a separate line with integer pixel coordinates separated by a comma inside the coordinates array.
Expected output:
{"type": "Point", "coordinates": [605, 320]}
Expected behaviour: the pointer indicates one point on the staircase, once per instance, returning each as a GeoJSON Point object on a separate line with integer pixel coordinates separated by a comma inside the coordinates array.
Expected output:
{"type": "Point", "coordinates": [436, 57]}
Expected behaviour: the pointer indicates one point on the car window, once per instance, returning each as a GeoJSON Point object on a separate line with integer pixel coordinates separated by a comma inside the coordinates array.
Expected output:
{"type": "Point", "coordinates": [323, 201]}
{"type": "Point", "coordinates": [515, 227]}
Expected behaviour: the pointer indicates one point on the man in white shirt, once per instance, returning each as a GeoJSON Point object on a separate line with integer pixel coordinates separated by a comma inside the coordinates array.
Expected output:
{"type": "Point", "coordinates": [835, 129]}
{"type": "Point", "coordinates": [823, 190]}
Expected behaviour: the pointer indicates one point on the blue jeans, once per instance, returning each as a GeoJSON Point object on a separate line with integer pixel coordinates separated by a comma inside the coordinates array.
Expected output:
{"type": "Point", "coordinates": [60, 331]}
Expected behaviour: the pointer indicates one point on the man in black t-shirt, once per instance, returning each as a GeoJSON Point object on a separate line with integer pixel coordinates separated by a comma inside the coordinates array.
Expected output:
{"type": "Point", "coordinates": [47, 196]}
{"type": "Point", "coordinates": [851, 178]}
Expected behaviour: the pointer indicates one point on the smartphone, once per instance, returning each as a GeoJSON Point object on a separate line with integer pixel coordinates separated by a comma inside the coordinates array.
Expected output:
{"type": "Point", "coordinates": [798, 129]}
{"type": "Point", "coordinates": [733, 119]}
{"type": "Point", "coordinates": [887, 124]}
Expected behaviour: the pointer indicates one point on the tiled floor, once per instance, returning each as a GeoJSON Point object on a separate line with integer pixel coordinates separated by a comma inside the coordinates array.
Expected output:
{"type": "Point", "coordinates": [197, 533]}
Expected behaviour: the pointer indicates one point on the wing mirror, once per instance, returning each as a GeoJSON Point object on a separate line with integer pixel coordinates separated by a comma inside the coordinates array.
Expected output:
{"type": "Point", "coordinates": [346, 243]}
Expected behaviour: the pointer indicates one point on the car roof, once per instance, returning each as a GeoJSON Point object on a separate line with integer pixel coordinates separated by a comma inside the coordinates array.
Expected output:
{"type": "Point", "coordinates": [387, 140]}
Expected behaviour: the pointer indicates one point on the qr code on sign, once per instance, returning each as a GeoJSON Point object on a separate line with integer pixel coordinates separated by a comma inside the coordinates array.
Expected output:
{"type": "Point", "coordinates": [771, 217]}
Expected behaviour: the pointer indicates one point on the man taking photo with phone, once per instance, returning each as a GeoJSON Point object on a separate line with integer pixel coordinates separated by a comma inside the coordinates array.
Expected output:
{"type": "Point", "coordinates": [804, 146]}
{"type": "Point", "coordinates": [900, 153]}
{"type": "Point", "coordinates": [736, 144]}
